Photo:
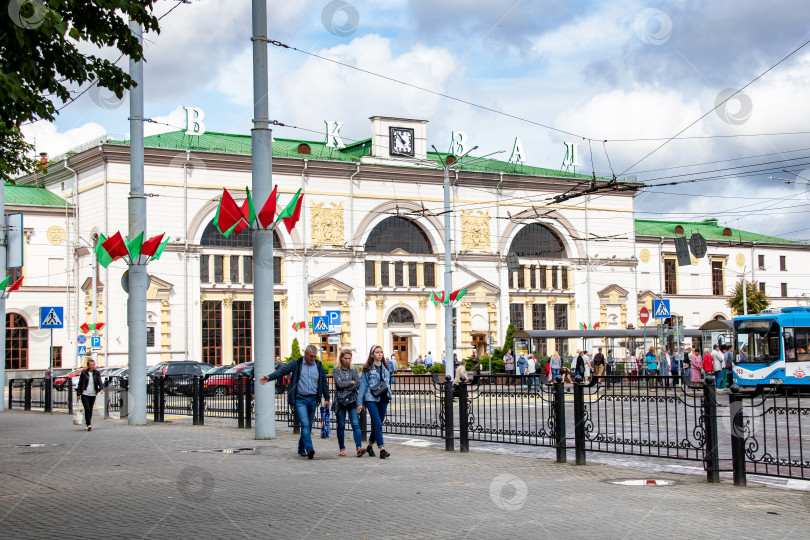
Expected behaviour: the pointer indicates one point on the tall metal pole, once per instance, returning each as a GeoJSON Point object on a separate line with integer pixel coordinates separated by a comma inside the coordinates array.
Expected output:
{"type": "Point", "coordinates": [261, 148]}
{"type": "Point", "coordinates": [136, 305]}
{"type": "Point", "coordinates": [94, 307]}
{"type": "Point", "coordinates": [2, 299]}
{"type": "Point", "coordinates": [448, 316]}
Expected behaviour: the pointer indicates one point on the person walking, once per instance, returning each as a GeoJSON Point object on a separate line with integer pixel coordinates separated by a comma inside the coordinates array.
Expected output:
{"type": "Point", "coordinates": [696, 367]}
{"type": "Point", "coordinates": [347, 383]}
{"type": "Point", "coordinates": [610, 367]}
{"type": "Point", "coordinates": [429, 360]}
{"type": "Point", "coordinates": [652, 366]}
{"type": "Point", "coordinates": [375, 394]}
{"type": "Point", "coordinates": [304, 394]}
{"type": "Point", "coordinates": [579, 366]}
{"type": "Point", "coordinates": [663, 367]}
{"type": "Point", "coordinates": [521, 365]}
{"type": "Point", "coordinates": [509, 366]}
{"type": "Point", "coordinates": [686, 364]}
{"type": "Point", "coordinates": [531, 373]}
{"type": "Point", "coordinates": [599, 363]}
{"type": "Point", "coordinates": [556, 365]}
{"type": "Point", "coordinates": [708, 363]}
{"type": "Point", "coordinates": [89, 387]}
{"type": "Point", "coordinates": [392, 366]}
{"type": "Point", "coordinates": [461, 371]}
{"type": "Point", "coordinates": [718, 360]}
{"type": "Point", "coordinates": [674, 369]}
{"type": "Point", "coordinates": [728, 367]}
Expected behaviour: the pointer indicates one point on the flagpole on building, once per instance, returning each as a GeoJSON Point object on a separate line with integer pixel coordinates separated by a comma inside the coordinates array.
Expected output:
{"type": "Point", "coordinates": [261, 154]}
{"type": "Point", "coordinates": [136, 305]}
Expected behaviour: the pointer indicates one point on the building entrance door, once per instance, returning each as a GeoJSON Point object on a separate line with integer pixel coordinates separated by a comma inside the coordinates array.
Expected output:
{"type": "Point", "coordinates": [401, 350]}
{"type": "Point", "coordinates": [328, 352]}
{"type": "Point", "coordinates": [479, 343]}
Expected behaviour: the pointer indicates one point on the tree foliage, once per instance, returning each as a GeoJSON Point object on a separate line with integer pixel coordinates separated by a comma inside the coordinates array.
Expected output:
{"type": "Point", "coordinates": [41, 65]}
{"type": "Point", "coordinates": [757, 301]}
{"type": "Point", "coordinates": [295, 351]}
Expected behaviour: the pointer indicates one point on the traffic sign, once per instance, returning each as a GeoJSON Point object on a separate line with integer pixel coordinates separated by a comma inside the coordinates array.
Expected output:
{"type": "Point", "coordinates": [51, 317]}
{"type": "Point", "coordinates": [82, 339]}
{"type": "Point", "coordinates": [333, 318]}
{"type": "Point", "coordinates": [319, 324]}
{"type": "Point", "coordinates": [661, 309]}
{"type": "Point", "coordinates": [95, 342]}
{"type": "Point", "coordinates": [644, 315]}
{"type": "Point", "coordinates": [82, 350]}
{"type": "Point", "coordinates": [333, 340]}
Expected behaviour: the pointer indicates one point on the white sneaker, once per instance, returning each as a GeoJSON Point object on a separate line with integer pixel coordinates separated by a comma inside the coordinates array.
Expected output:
{"type": "Point", "coordinates": [89, 428]}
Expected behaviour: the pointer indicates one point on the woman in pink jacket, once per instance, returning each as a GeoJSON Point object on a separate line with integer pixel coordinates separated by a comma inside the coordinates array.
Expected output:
{"type": "Point", "coordinates": [697, 364]}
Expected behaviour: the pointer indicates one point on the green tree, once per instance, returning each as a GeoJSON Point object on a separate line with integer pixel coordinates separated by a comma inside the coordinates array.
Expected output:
{"type": "Point", "coordinates": [756, 299]}
{"type": "Point", "coordinates": [41, 65]}
{"type": "Point", "coordinates": [295, 351]}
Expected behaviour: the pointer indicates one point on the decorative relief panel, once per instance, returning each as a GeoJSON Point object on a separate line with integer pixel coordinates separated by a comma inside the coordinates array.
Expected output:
{"type": "Point", "coordinates": [327, 223]}
{"type": "Point", "coordinates": [475, 230]}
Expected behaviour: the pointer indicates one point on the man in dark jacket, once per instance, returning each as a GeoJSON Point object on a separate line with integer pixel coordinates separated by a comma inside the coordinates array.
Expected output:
{"type": "Point", "coordinates": [88, 392]}
{"type": "Point", "coordinates": [307, 387]}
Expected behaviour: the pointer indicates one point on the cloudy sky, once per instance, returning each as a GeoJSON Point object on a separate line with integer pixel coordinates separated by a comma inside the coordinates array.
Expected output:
{"type": "Point", "coordinates": [631, 73]}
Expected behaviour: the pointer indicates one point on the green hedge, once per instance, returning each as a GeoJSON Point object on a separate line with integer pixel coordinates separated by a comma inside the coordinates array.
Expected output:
{"type": "Point", "coordinates": [418, 369]}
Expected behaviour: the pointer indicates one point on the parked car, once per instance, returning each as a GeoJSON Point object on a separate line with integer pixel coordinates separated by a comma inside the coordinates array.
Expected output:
{"type": "Point", "coordinates": [179, 376]}
{"type": "Point", "coordinates": [73, 377]}
{"type": "Point", "coordinates": [224, 384]}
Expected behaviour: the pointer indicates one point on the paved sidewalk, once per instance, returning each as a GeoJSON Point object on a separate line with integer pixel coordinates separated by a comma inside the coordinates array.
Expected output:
{"type": "Point", "coordinates": [153, 482]}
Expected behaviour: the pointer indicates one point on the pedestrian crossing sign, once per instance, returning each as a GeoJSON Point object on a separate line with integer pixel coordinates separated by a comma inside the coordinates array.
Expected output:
{"type": "Point", "coordinates": [82, 350]}
{"type": "Point", "coordinates": [319, 324]}
{"type": "Point", "coordinates": [661, 309]}
{"type": "Point", "coordinates": [51, 317]}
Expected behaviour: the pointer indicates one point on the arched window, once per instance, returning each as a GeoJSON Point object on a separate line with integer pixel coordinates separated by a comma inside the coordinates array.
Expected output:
{"type": "Point", "coordinates": [398, 233]}
{"type": "Point", "coordinates": [400, 316]}
{"type": "Point", "coordinates": [211, 237]}
{"type": "Point", "coordinates": [537, 241]}
{"type": "Point", "coordinates": [16, 342]}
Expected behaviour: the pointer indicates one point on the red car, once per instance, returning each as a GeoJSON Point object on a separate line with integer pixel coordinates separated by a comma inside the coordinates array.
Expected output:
{"type": "Point", "coordinates": [72, 377]}
{"type": "Point", "coordinates": [224, 384]}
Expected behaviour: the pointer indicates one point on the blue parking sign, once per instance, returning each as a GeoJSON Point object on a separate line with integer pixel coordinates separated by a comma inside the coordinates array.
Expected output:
{"type": "Point", "coordinates": [95, 341]}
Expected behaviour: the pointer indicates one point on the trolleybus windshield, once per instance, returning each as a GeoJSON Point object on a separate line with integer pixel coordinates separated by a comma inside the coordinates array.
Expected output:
{"type": "Point", "coordinates": [757, 341]}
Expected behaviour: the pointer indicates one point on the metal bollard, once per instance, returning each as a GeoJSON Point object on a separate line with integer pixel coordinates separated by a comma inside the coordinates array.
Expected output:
{"type": "Point", "coordinates": [195, 400]}
{"type": "Point", "coordinates": [123, 394]}
{"type": "Point", "coordinates": [240, 402]}
{"type": "Point", "coordinates": [10, 390]}
{"type": "Point", "coordinates": [559, 420]}
{"type": "Point", "coordinates": [70, 401]}
{"type": "Point", "coordinates": [200, 401]}
{"type": "Point", "coordinates": [248, 402]}
{"type": "Point", "coordinates": [27, 395]}
{"type": "Point", "coordinates": [711, 457]}
{"type": "Point", "coordinates": [449, 435]}
{"type": "Point", "coordinates": [463, 416]}
{"type": "Point", "coordinates": [46, 385]}
{"type": "Point", "coordinates": [579, 421]}
{"type": "Point", "coordinates": [156, 392]}
{"type": "Point", "coordinates": [737, 436]}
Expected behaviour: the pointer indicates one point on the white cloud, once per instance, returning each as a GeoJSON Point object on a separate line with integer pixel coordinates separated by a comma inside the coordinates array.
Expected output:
{"type": "Point", "coordinates": [47, 138]}
{"type": "Point", "coordinates": [175, 120]}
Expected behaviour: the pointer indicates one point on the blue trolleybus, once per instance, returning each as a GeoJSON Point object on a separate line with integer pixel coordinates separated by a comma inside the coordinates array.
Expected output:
{"type": "Point", "coordinates": [773, 347]}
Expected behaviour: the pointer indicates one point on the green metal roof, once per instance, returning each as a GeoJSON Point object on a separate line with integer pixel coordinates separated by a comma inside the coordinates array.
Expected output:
{"type": "Point", "coordinates": [32, 196]}
{"type": "Point", "coordinates": [709, 228]}
{"type": "Point", "coordinates": [228, 143]}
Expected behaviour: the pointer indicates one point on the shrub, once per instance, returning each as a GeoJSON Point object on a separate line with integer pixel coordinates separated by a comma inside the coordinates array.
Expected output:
{"type": "Point", "coordinates": [295, 351]}
{"type": "Point", "coordinates": [436, 368]}
{"type": "Point", "coordinates": [328, 367]}
{"type": "Point", "coordinates": [418, 370]}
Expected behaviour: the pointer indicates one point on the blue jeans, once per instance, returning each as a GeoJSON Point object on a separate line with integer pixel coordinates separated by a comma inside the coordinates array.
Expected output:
{"type": "Point", "coordinates": [354, 418]}
{"type": "Point", "coordinates": [555, 372]}
{"type": "Point", "coordinates": [305, 411]}
{"type": "Point", "coordinates": [533, 381]}
{"type": "Point", "coordinates": [718, 379]}
{"type": "Point", "coordinates": [376, 410]}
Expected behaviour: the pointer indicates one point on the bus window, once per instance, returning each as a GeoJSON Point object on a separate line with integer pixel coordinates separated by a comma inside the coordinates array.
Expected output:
{"type": "Point", "coordinates": [757, 341]}
{"type": "Point", "coordinates": [797, 344]}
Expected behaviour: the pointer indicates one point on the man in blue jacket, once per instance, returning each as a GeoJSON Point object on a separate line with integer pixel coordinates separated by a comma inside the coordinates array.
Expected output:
{"type": "Point", "coordinates": [304, 393]}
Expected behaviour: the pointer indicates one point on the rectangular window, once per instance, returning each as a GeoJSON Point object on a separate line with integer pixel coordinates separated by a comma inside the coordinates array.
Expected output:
{"type": "Point", "coordinates": [538, 316]}
{"type": "Point", "coordinates": [761, 260]}
{"type": "Point", "coordinates": [543, 284]}
{"type": "Point", "coordinates": [398, 277]}
{"type": "Point", "coordinates": [204, 269]}
{"type": "Point", "coordinates": [717, 278]}
{"type": "Point", "coordinates": [370, 276]}
{"type": "Point", "coordinates": [561, 323]}
{"type": "Point", "coordinates": [564, 277]}
{"type": "Point", "coordinates": [276, 269]}
{"type": "Point", "coordinates": [541, 347]}
{"type": "Point", "coordinates": [411, 274]}
{"type": "Point", "coordinates": [218, 263]}
{"type": "Point", "coordinates": [783, 263]}
{"type": "Point", "coordinates": [797, 344]}
{"type": "Point", "coordinates": [234, 268]}
{"type": "Point", "coordinates": [761, 286]}
{"type": "Point", "coordinates": [516, 316]}
{"type": "Point", "coordinates": [784, 290]}
{"type": "Point", "coordinates": [430, 274]}
{"type": "Point", "coordinates": [150, 336]}
{"type": "Point", "coordinates": [385, 279]}
{"type": "Point", "coordinates": [554, 279]}
{"type": "Point", "coordinates": [532, 277]}
{"type": "Point", "coordinates": [212, 332]}
{"type": "Point", "coordinates": [670, 276]}
{"type": "Point", "coordinates": [561, 345]}
{"type": "Point", "coordinates": [247, 269]}
{"type": "Point", "coordinates": [57, 356]}
{"type": "Point", "coordinates": [242, 337]}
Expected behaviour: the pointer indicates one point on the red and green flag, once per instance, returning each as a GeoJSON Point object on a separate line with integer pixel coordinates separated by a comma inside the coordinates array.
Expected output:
{"type": "Point", "coordinates": [249, 209]}
{"type": "Point", "coordinates": [5, 282]}
{"type": "Point", "coordinates": [134, 247]}
{"type": "Point", "coordinates": [160, 249]}
{"type": "Point", "coordinates": [437, 298]}
{"type": "Point", "coordinates": [268, 211]}
{"type": "Point", "coordinates": [299, 326]}
{"type": "Point", "coordinates": [87, 328]}
{"type": "Point", "coordinates": [229, 218]}
{"type": "Point", "coordinates": [151, 246]}
{"type": "Point", "coordinates": [15, 286]}
{"type": "Point", "coordinates": [115, 247]}
{"type": "Point", "coordinates": [103, 257]}
{"type": "Point", "coordinates": [291, 213]}
{"type": "Point", "coordinates": [456, 295]}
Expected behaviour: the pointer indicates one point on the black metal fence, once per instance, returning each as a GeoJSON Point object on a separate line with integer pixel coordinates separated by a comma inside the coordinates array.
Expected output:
{"type": "Point", "coordinates": [36, 393]}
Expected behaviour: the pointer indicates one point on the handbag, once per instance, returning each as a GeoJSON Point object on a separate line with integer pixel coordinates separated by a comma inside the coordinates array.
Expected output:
{"type": "Point", "coordinates": [379, 389]}
{"type": "Point", "coordinates": [348, 401]}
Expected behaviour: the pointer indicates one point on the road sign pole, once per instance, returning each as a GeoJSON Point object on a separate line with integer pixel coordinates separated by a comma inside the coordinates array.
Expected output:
{"type": "Point", "coordinates": [50, 381]}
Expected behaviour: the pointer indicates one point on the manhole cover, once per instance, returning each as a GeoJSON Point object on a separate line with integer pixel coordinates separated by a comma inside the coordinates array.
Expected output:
{"type": "Point", "coordinates": [28, 445]}
{"type": "Point", "coordinates": [642, 482]}
{"type": "Point", "coordinates": [226, 451]}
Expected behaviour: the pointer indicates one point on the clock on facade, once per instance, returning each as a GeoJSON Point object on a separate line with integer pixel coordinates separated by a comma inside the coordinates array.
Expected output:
{"type": "Point", "coordinates": [401, 141]}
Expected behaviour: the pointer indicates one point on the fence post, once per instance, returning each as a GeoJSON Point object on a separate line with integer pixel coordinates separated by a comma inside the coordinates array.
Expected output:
{"type": "Point", "coordinates": [736, 417]}
{"type": "Point", "coordinates": [10, 391]}
{"type": "Point", "coordinates": [248, 402]}
{"type": "Point", "coordinates": [156, 391]}
{"type": "Point", "coordinates": [123, 396]}
{"type": "Point", "coordinates": [240, 402]}
{"type": "Point", "coordinates": [162, 399]}
{"type": "Point", "coordinates": [559, 419]}
{"type": "Point", "coordinates": [70, 400]}
{"type": "Point", "coordinates": [711, 458]}
{"type": "Point", "coordinates": [363, 425]}
{"type": "Point", "coordinates": [27, 395]}
{"type": "Point", "coordinates": [200, 401]}
{"type": "Point", "coordinates": [463, 419]}
{"type": "Point", "coordinates": [195, 400]}
{"type": "Point", "coordinates": [47, 388]}
{"type": "Point", "coordinates": [449, 435]}
{"type": "Point", "coordinates": [579, 421]}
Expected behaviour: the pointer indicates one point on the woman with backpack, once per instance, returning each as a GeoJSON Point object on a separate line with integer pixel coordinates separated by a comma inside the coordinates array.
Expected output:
{"type": "Point", "coordinates": [375, 394]}
{"type": "Point", "coordinates": [347, 382]}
